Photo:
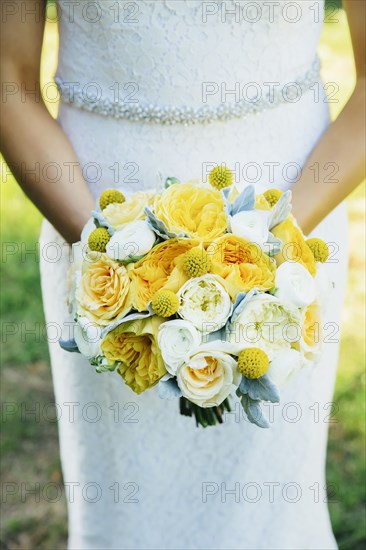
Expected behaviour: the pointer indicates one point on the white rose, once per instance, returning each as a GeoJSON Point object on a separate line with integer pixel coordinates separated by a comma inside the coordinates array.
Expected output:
{"type": "Point", "coordinates": [208, 378]}
{"type": "Point", "coordinates": [265, 322]}
{"type": "Point", "coordinates": [205, 302]}
{"type": "Point", "coordinates": [134, 240]}
{"type": "Point", "coordinates": [177, 340]}
{"type": "Point", "coordinates": [87, 336]}
{"type": "Point", "coordinates": [294, 284]}
{"type": "Point", "coordinates": [251, 225]}
{"type": "Point", "coordinates": [284, 366]}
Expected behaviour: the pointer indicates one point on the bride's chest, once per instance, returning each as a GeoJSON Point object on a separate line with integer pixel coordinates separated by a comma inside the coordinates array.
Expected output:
{"type": "Point", "coordinates": [197, 19]}
{"type": "Point", "coordinates": [184, 39]}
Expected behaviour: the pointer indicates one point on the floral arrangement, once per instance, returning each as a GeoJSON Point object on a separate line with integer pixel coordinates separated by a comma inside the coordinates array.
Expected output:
{"type": "Point", "coordinates": [199, 290]}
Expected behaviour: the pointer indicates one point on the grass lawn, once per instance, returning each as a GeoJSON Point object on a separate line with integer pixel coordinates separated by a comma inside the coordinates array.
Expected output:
{"type": "Point", "coordinates": [29, 446]}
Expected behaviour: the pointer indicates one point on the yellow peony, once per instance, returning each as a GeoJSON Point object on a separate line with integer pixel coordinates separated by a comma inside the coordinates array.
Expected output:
{"type": "Point", "coordinates": [161, 268]}
{"type": "Point", "coordinates": [294, 247]}
{"type": "Point", "coordinates": [119, 214]}
{"type": "Point", "coordinates": [242, 264]}
{"type": "Point", "coordinates": [196, 211]}
{"type": "Point", "coordinates": [134, 345]}
{"type": "Point", "coordinates": [103, 292]}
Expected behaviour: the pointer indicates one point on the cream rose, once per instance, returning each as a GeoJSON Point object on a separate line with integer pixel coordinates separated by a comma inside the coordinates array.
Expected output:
{"type": "Point", "coordinates": [294, 284]}
{"type": "Point", "coordinates": [265, 322]}
{"type": "Point", "coordinates": [133, 241]}
{"type": "Point", "coordinates": [119, 214]}
{"type": "Point", "coordinates": [208, 378]}
{"type": "Point", "coordinates": [205, 302]}
{"type": "Point", "coordinates": [103, 292]}
{"type": "Point", "coordinates": [177, 340]}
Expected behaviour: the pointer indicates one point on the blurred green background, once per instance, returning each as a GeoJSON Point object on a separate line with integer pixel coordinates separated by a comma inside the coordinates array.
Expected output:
{"type": "Point", "coordinates": [30, 449]}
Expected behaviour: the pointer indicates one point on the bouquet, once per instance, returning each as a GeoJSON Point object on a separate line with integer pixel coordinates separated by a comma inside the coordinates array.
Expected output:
{"type": "Point", "coordinates": [200, 291]}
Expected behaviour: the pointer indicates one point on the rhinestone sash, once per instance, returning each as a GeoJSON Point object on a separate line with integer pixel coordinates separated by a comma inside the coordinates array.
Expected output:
{"type": "Point", "coordinates": [155, 114]}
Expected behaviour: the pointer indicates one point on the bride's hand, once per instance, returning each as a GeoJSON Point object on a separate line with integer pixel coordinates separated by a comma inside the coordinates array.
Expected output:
{"type": "Point", "coordinates": [33, 144]}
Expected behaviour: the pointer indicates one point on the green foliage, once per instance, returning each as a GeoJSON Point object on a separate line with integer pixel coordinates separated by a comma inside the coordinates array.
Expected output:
{"type": "Point", "coordinates": [21, 309]}
{"type": "Point", "coordinates": [333, 4]}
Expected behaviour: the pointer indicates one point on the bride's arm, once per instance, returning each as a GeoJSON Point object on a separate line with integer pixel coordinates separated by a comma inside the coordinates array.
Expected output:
{"type": "Point", "coordinates": [343, 143]}
{"type": "Point", "coordinates": [30, 135]}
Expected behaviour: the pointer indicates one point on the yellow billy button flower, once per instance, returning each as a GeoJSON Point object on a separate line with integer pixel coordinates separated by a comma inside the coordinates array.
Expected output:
{"type": "Point", "coordinates": [165, 303]}
{"type": "Point", "coordinates": [110, 196]}
{"type": "Point", "coordinates": [272, 196]}
{"type": "Point", "coordinates": [196, 262]}
{"type": "Point", "coordinates": [98, 239]}
{"type": "Point", "coordinates": [319, 249]}
{"type": "Point", "coordinates": [220, 177]}
{"type": "Point", "coordinates": [253, 362]}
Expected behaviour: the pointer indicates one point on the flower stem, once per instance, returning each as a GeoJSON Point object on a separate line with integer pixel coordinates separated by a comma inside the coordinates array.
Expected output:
{"type": "Point", "coordinates": [208, 416]}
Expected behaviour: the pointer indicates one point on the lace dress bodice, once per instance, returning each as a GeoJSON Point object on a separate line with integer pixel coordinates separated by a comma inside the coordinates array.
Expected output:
{"type": "Point", "coordinates": [163, 51]}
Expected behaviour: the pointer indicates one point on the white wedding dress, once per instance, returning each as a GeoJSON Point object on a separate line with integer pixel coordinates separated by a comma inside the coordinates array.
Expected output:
{"type": "Point", "coordinates": [137, 474]}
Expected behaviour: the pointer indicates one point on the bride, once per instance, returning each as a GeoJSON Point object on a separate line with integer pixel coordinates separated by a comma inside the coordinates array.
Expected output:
{"type": "Point", "coordinates": [164, 86]}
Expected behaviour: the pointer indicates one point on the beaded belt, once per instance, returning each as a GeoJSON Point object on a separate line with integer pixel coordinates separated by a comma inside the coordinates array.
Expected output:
{"type": "Point", "coordinates": [155, 114]}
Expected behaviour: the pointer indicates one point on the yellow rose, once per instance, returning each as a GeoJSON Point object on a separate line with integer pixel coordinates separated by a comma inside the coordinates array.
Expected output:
{"type": "Point", "coordinates": [161, 268]}
{"type": "Point", "coordinates": [196, 211]}
{"type": "Point", "coordinates": [118, 214]}
{"type": "Point", "coordinates": [103, 292]}
{"type": "Point", "coordinates": [294, 247]}
{"type": "Point", "coordinates": [242, 264]}
{"type": "Point", "coordinates": [134, 345]}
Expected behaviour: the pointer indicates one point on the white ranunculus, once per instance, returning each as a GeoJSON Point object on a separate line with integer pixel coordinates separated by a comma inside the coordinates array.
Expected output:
{"type": "Point", "coordinates": [251, 225]}
{"type": "Point", "coordinates": [265, 322]}
{"type": "Point", "coordinates": [208, 377]}
{"type": "Point", "coordinates": [205, 302]}
{"type": "Point", "coordinates": [134, 240]}
{"type": "Point", "coordinates": [284, 366]}
{"type": "Point", "coordinates": [177, 340]}
{"type": "Point", "coordinates": [294, 284]}
{"type": "Point", "coordinates": [87, 337]}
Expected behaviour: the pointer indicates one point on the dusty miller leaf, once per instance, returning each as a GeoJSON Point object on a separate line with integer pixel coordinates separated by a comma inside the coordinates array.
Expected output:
{"type": "Point", "coordinates": [253, 411]}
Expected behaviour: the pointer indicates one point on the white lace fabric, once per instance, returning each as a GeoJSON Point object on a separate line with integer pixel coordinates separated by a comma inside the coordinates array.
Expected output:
{"type": "Point", "coordinates": [163, 460]}
{"type": "Point", "coordinates": [169, 48]}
